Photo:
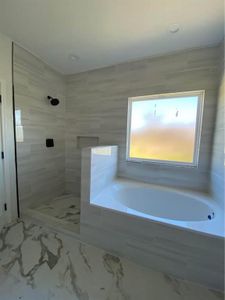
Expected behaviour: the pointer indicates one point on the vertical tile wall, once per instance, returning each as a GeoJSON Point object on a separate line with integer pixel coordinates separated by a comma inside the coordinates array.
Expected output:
{"type": "Point", "coordinates": [103, 168]}
{"type": "Point", "coordinates": [218, 155]}
{"type": "Point", "coordinates": [97, 106]}
{"type": "Point", "coordinates": [41, 170]}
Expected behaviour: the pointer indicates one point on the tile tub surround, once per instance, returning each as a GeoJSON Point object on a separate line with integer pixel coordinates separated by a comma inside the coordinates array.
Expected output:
{"type": "Point", "coordinates": [39, 264]}
{"type": "Point", "coordinates": [41, 170]}
{"type": "Point", "coordinates": [103, 167]}
{"type": "Point", "coordinates": [183, 253]}
{"type": "Point", "coordinates": [181, 209]}
{"type": "Point", "coordinates": [97, 106]}
{"type": "Point", "coordinates": [103, 162]}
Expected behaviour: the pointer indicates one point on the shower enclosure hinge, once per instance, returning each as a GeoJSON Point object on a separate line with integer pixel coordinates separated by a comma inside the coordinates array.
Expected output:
{"type": "Point", "coordinates": [5, 206]}
{"type": "Point", "coordinates": [0, 98]}
{"type": "Point", "coordinates": [2, 155]}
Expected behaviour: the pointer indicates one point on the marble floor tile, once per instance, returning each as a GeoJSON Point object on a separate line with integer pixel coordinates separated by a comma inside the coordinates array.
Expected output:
{"type": "Point", "coordinates": [63, 210]}
{"type": "Point", "coordinates": [37, 263]}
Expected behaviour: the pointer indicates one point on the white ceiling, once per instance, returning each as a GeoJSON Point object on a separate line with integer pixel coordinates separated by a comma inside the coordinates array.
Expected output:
{"type": "Point", "coordinates": [107, 32]}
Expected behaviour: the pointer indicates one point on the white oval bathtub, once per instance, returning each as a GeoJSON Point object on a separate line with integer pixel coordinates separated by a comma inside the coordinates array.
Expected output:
{"type": "Point", "coordinates": [192, 210]}
{"type": "Point", "coordinates": [164, 204]}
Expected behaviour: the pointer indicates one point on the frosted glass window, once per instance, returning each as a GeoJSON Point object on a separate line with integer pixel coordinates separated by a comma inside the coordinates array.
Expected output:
{"type": "Point", "coordinates": [165, 128]}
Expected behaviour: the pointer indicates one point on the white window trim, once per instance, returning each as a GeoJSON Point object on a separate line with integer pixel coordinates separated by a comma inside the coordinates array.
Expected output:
{"type": "Point", "coordinates": [201, 96]}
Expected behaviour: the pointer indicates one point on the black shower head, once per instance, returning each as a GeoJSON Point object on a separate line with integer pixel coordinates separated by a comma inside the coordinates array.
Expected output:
{"type": "Point", "coordinates": [53, 101]}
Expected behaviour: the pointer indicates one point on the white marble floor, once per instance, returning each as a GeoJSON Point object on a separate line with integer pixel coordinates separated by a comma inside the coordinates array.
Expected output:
{"type": "Point", "coordinates": [63, 211]}
{"type": "Point", "coordinates": [37, 263]}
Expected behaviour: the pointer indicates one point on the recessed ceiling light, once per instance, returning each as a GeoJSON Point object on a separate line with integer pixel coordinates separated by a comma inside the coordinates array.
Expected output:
{"type": "Point", "coordinates": [74, 57]}
{"type": "Point", "coordinates": [174, 28]}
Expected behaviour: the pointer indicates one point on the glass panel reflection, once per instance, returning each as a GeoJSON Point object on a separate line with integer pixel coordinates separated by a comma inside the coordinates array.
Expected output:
{"type": "Point", "coordinates": [19, 127]}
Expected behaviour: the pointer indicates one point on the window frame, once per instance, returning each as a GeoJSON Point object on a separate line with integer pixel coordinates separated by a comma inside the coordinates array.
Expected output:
{"type": "Point", "coordinates": [201, 95]}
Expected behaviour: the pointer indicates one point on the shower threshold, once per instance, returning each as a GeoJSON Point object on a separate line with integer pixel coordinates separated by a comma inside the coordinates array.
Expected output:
{"type": "Point", "coordinates": [62, 213]}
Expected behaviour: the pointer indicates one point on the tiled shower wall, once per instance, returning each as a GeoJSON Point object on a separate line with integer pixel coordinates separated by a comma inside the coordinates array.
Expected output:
{"type": "Point", "coordinates": [41, 170]}
{"type": "Point", "coordinates": [96, 113]}
{"type": "Point", "coordinates": [218, 158]}
{"type": "Point", "coordinates": [97, 106]}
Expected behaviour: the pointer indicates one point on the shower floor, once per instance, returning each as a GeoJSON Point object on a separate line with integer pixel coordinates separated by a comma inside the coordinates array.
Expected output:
{"type": "Point", "coordinates": [63, 211]}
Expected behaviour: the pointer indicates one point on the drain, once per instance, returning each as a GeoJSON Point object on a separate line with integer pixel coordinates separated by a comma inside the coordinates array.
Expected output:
{"type": "Point", "coordinates": [211, 216]}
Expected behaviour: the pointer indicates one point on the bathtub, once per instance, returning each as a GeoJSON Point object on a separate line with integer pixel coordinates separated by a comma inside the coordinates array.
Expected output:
{"type": "Point", "coordinates": [173, 231]}
{"type": "Point", "coordinates": [184, 209]}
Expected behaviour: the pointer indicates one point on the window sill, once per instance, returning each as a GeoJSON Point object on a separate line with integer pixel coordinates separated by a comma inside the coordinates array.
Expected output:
{"type": "Point", "coordinates": [162, 163]}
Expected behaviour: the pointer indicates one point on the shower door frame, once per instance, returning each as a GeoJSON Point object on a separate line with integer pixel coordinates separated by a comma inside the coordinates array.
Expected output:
{"type": "Point", "coordinates": [9, 210]}
{"type": "Point", "coordinates": [3, 196]}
